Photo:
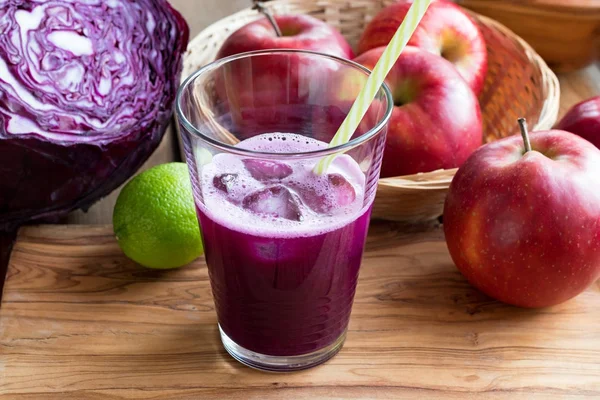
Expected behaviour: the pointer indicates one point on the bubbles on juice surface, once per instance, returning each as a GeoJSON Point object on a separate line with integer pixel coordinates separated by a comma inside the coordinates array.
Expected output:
{"type": "Point", "coordinates": [281, 143]}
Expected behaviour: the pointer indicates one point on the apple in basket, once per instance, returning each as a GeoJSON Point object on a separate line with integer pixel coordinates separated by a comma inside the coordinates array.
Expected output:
{"type": "Point", "coordinates": [255, 92]}
{"type": "Point", "coordinates": [584, 120]}
{"type": "Point", "coordinates": [436, 121]}
{"type": "Point", "coordinates": [523, 225]}
{"type": "Point", "coordinates": [445, 30]}
{"type": "Point", "coordinates": [298, 31]}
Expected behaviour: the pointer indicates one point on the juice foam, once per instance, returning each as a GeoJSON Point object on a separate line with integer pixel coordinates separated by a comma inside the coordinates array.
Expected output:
{"type": "Point", "coordinates": [277, 198]}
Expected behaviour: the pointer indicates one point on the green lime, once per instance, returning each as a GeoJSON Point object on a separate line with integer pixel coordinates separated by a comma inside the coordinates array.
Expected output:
{"type": "Point", "coordinates": [155, 219]}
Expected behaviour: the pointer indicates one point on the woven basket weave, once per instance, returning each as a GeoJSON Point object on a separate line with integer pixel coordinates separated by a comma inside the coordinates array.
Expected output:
{"type": "Point", "coordinates": [518, 84]}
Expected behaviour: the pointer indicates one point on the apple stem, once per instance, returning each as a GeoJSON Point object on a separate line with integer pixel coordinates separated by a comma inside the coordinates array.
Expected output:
{"type": "Point", "coordinates": [258, 5]}
{"type": "Point", "coordinates": [525, 134]}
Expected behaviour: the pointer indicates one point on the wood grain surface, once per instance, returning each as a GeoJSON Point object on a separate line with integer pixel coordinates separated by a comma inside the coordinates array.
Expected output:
{"type": "Point", "coordinates": [80, 321]}
{"type": "Point", "coordinates": [575, 87]}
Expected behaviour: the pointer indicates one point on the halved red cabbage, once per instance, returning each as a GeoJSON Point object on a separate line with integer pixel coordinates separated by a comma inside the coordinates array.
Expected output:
{"type": "Point", "coordinates": [86, 93]}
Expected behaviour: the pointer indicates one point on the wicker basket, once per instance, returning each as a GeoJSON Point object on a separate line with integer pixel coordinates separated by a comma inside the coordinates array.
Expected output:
{"type": "Point", "coordinates": [518, 84]}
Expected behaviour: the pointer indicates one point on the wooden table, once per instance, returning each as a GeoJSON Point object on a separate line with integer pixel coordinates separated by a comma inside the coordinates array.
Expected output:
{"type": "Point", "coordinates": [575, 87]}
{"type": "Point", "coordinates": [80, 321]}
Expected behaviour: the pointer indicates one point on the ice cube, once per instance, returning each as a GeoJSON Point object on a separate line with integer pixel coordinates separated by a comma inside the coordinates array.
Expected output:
{"type": "Point", "coordinates": [276, 201]}
{"type": "Point", "coordinates": [335, 192]}
{"type": "Point", "coordinates": [263, 170]}
{"type": "Point", "coordinates": [319, 203]}
{"type": "Point", "coordinates": [225, 182]}
{"type": "Point", "coordinates": [342, 191]}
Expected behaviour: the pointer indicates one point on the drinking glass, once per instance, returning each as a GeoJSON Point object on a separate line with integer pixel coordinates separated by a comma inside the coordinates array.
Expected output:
{"type": "Point", "coordinates": [283, 297]}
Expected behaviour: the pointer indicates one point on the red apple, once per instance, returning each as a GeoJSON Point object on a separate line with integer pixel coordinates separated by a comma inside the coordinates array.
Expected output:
{"type": "Point", "coordinates": [299, 32]}
{"type": "Point", "coordinates": [584, 120]}
{"type": "Point", "coordinates": [445, 30]}
{"type": "Point", "coordinates": [436, 121]}
{"type": "Point", "coordinates": [272, 92]}
{"type": "Point", "coordinates": [524, 226]}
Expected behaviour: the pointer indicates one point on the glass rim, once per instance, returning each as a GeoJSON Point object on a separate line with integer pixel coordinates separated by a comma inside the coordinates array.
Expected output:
{"type": "Point", "coordinates": [183, 120]}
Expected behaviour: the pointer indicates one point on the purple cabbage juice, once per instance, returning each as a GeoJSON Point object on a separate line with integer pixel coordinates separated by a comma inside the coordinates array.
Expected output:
{"type": "Point", "coordinates": [283, 245]}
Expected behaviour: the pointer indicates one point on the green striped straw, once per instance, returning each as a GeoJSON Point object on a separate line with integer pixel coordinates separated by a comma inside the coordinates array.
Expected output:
{"type": "Point", "coordinates": [382, 68]}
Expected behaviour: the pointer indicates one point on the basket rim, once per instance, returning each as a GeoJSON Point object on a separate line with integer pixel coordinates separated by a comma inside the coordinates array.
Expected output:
{"type": "Point", "coordinates": [550, 85]}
